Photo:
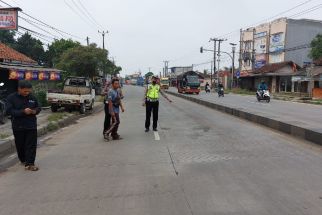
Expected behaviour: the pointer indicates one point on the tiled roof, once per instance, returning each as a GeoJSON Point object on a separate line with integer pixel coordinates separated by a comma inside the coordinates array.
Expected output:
{"type": "Point", "coordinates": [276, 66]}
{"type": "Point", "coordinates": [9, 54]}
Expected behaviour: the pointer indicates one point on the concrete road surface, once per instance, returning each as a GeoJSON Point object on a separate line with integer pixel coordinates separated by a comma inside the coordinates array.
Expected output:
{"type": "Point", "coordinates": [201, 162]}
{"type": "Point", "coordinates": [300, 114]}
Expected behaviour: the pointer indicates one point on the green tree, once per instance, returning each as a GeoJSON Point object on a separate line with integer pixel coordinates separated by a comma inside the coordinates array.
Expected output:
{"type": "Point", "coordinates": [31, 47]}
{"type": "Point", "coordinates": [149, 74]}
{"type": "Point", "coordinates": [86, 61]}
{"type": "Point", "coordinates": [316, 45]}
{"type": "Point", "coordinates": [57, 48]}
{"type": "Point", "coordinates": [8, 38]}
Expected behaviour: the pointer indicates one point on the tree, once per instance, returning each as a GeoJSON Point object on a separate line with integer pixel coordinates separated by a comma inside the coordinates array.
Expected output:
{"type": "Point", "coordinates": [316, 45]}
{"type": "Point", "coordinates": [86, 61]}
{"type": "Point", "coordinates": [57, 48]}
{"type": "Point", "coordinates": [149, 74]}
{"type": "Point", "coordinates": [8, 38]}
{"type": "Point", "coordinates": [31, 47]}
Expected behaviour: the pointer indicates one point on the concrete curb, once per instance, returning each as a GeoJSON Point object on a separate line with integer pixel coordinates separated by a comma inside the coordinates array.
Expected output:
{"type": "Point", "coordinates": [7, 146]}
{"type": "Point", "coordinates": [293, 130]}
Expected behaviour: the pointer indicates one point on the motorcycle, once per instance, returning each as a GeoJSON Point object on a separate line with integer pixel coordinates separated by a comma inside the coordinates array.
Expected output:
{"type": "Point", "coordinates": [263, 95]}
{"type": "Point", "coordinates": [221, 92]}
{"type": "Point", "coordinates": [207, 89]}
{"type": "Point", "coordinates": [3, 115]}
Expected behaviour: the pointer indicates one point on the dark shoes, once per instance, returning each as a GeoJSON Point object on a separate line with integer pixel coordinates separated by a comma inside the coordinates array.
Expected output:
{"type": "Point", "coordinates": [147, 130]}
{"type": "Point", "coordinates": [155, 129]}
{"type": "Point", "coordinates": [117, 137]}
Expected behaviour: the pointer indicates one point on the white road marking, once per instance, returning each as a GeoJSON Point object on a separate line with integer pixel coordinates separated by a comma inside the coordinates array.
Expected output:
{"type": "Point", "coordinates": [156, 136]}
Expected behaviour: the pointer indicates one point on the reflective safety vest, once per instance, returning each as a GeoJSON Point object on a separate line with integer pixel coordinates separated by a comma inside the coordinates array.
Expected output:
{"type": "Point", "coordinates": [153, 91]}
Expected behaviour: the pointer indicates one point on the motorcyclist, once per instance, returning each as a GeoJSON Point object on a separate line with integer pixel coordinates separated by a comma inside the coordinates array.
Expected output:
{"type": "Point", "coordinates": [262, 87]}
{"type": "Point", "coordinates": [207, 87]}
{"type": "Point", "coordinates": [220, 88]}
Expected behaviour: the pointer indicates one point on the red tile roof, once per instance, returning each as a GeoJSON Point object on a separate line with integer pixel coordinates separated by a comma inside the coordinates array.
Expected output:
{"type": "Point", "coordinates": [9, 54]}
{"type": "Point", "coordinates": [276, 66]}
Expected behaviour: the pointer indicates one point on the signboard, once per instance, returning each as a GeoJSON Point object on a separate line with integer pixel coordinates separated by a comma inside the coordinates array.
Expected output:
{"type": "Point", "coordinates": [238, 74]}
{"type": "Point", "coordinates": [9, 18]}
{"type": "Point", "coordinates": [54, 76]}
{"type": "Point", "coordinates": [43, 76]}
{"type": "Point", "coordinates": [16, 75]}
{"type": "Point", "coordinates": [261, 45]}
{"type": "Point", "coordinates": [260, 61]}
{"type": "Point", "coordinates": [277, 42]}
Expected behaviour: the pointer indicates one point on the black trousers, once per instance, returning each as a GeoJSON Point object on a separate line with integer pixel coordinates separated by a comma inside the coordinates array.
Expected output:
{"type": "Point", "coordinates": [107, 121]}
{"type": "Point", "coordinates": [26, 145]}
{"type": "Point", "coordinates": [152, 107]}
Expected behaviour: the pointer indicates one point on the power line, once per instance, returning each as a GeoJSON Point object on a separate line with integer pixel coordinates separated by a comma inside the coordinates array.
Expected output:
{"type": "Point", "coordinates": [89, 14]}
{"type": "Point", "coordinates": [82, 12]}
{"type": "Point", "coordinates": [30, 23]}
{"type": "Point", "coordinates": [77, 13]}
{"type": "Point", "coordinates": [306, 11]}
{"type": "Point", "coordinates": [272, 17]}
{"type": "Point", "coordinates": [46, 25]}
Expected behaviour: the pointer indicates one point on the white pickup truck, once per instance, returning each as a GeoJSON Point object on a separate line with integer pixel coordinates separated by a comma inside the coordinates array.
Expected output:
{"type": "Point", "coordinates": [78, 93]}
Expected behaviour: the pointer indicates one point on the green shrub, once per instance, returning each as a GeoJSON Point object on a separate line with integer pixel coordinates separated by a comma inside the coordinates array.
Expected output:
{"type": "Point", "coordinates": [42, 98]}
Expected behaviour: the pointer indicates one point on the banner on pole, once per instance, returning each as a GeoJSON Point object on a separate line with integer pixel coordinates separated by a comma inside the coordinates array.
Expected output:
{"type": "Point", "coordinates": [9, 18]}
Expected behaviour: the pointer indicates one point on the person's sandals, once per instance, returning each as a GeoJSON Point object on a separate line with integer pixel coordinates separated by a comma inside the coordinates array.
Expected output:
{"type": "Point", "coordinates": [31, 168]}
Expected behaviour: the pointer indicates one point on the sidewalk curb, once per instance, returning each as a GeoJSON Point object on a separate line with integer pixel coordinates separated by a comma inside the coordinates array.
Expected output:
{"type": "Point", "coordinates": [7, 146]}
{"type": "Point", "coordinates": [287, 128]}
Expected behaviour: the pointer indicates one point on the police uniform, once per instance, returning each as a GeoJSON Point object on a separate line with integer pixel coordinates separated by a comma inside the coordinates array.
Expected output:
{"type": "Point", "coordinates": [152, 105]}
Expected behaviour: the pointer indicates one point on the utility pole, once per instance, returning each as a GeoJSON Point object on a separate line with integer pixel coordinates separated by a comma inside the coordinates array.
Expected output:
{"type": "Point", "coordinates": [254, 50]}
{"type": "Point", "coordinates": [103, 35]}
{"type": "Point", "coordinates": [215, 55]}
{"type": "Point", "coordinates": [166, 65]}
{"type": "Point", "coordinates": [87, 40]}
{"type": "Point", "coordinates": [233, 64]}
{"type": "Point", "coordinates": [240, 53]}
{"type": "Point", "coordinates": [219, 54]}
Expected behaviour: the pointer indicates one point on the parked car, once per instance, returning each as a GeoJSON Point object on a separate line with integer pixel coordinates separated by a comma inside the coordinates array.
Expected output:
{"type": "Point", "coordinates": [78, 93]}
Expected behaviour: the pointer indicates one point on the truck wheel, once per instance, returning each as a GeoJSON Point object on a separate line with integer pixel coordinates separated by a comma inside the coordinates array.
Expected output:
{"type": "Point", "coordinates": [54, 108]}
{"type": "Point", "coordinates": [92, 105]}
{"type": "Point", "coordinates": [82, 109]}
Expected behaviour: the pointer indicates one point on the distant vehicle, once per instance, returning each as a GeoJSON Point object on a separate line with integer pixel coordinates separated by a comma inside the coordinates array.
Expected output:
{"type": "Point", "coordinates": [165, 83]}
{"type": "Point", "coordinates": [3, 116]}
{"type": "Point", "coordinates": [207, 88]}
{"type": "Point", "coordinates": [263, 95]}
{"type": "Point", "coordinates": [134, 82]}
{"type": "Point", "coordinates": [188, 82]}
{"type": "Point", "coordinates": [140, 81]}
{"type": "Point", "coordinates": [78, 93]}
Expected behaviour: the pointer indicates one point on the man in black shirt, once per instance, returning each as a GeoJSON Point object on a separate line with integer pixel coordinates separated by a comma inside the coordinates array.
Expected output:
{"type": "Point", "coordinates": [23, 108]}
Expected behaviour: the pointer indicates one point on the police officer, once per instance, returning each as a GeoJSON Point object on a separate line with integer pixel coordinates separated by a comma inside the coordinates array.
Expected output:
{"type": "Point", "coordinates": [151, 101]}
{"type": "Point", "coordinates": [23, 108]}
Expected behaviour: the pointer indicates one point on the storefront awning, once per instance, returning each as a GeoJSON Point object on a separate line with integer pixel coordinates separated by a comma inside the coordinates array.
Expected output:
{"type": "Point", "coordinates": [19, 72]}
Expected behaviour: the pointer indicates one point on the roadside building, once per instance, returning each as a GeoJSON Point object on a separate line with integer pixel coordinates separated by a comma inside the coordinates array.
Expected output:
{"type": "Point", "coordinates": [280, 43]}
{"type": "Point", "coordinates": [15, 66]}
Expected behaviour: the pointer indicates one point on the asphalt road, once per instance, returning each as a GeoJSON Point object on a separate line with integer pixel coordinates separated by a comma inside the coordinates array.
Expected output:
{"type": "Point", "coordinates": [303, 115]}
{"type": "Point", "coordinates": [201, 162]}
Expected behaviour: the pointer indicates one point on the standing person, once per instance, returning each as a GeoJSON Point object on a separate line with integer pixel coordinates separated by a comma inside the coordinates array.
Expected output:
{"type": "Point", "coordinates": [23, 108]}
{"type": "Point", "coordinates": [107, 119]}
{"type": "Point", "coordinates": [114, 104]}
{"type": "Point", "coordinates": [151, 101]}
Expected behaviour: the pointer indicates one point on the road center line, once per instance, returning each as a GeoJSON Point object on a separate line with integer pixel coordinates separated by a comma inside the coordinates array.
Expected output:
{"type": "Point", "coordinates": [156, 136]}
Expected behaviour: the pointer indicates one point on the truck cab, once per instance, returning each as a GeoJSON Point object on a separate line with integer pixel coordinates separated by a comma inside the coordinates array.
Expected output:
{"type": "Point", "coordinates": [164, 83]}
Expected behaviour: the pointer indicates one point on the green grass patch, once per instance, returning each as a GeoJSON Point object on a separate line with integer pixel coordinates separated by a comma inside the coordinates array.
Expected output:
{"type": "Point", "coordinates": [52, 126]}
{"type": "Point", "coordinates": [54, 117]}
{"type": "Point", "coordinates": [240, 91]}
{"type": "Point", "coordinates": [4, 136]}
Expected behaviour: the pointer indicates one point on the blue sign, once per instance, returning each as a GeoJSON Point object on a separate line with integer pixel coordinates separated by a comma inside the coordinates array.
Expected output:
{"type": "Point", "coordinates": [238, 74]}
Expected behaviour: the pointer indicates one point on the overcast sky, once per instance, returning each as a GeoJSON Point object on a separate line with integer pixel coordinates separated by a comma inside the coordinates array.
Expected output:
{"type": "Point", "coordinates": [143, 33]}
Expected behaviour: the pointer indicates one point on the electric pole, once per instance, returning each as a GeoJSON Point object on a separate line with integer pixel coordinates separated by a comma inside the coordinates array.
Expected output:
{"type": "Point", "coordinates": [103, 35]}
{"type": "Point", "coordinates": [87, 40]}
{"type": "Point", "coordinates": [233, 64]}
{"type": "Point", "coordinates": [166, 65]}
{"type": "Point", "coordinates": [219, 54]}
{"type": "Point", "coordinates": [215, 54]}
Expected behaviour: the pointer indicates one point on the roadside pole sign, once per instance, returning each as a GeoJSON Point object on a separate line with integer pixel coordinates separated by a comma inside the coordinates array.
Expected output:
{"type": "Point", "coordinates": [9, 18]}
{"type": "Point", "coordinates": [238, 74]}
